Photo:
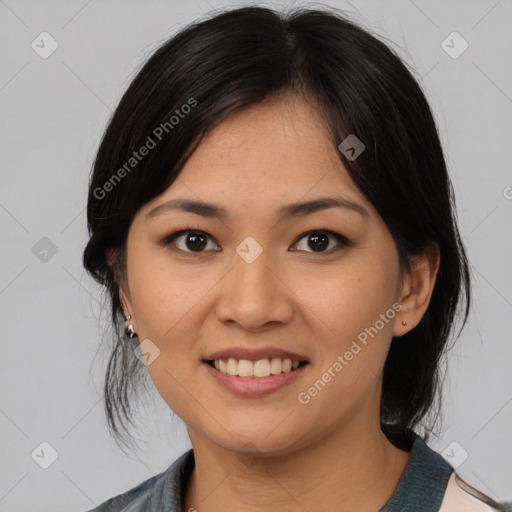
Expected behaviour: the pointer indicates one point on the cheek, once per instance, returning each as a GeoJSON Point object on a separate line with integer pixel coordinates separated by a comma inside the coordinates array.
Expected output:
{"type": "Point", "coordinates": [166, 296]}
{"type": "Point", "coordinates": [354, 304]}
{"type": "Point", "coordinates": [348, 297]}
{"type": "Point", "coordinates": [167, 302]}
{"type": "Point", "coordinates": [354, 342]}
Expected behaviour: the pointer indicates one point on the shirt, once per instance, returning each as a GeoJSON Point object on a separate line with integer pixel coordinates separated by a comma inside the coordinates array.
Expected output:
{"type": "Point", "coordinates": [428, 484]}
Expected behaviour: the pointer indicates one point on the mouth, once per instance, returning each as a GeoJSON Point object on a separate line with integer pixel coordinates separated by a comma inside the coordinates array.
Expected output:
{"type": "Point", "coordinates": [258, 369]}
{"type": "Point", "coordinates": [255, 372]}
{"type": "Point", "coordinates": [256, 377]}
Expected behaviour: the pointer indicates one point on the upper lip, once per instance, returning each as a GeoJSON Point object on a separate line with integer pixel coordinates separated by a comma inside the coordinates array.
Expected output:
{"type": "Point", "coordinates": [253, 354]}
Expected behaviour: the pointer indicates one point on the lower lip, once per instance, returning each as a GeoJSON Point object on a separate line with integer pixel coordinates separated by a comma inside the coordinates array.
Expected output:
{"type": "Point", "coordinates": [254, 386]}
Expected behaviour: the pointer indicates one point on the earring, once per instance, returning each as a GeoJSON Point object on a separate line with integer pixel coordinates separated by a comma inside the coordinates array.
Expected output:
{"type": "Point", "coordinates": [130, 332]}
{"type": "Point", "coordinates": [129, 329]}
{"type": "Point", "coordinates": [404, 322]}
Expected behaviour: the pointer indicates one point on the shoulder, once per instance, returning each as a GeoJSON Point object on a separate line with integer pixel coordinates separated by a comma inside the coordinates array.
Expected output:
{"type": "Point", "coordinates": [462, 497]}
{"type": "Point", "coordinates": [133, 500]}
{"type": "Point", "coordinates": [153, 493]}
{"type": "Point", "coordinates": [431, 484]}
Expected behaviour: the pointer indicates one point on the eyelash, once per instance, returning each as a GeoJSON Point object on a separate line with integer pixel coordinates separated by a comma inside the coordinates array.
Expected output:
{"type": "Point", "coordinates": [342, 240]}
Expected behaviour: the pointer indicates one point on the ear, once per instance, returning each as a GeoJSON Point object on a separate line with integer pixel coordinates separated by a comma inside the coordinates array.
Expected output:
{"type": "Point", "coordinates": [124, 292]}
{"type": "Point", "coordinates": [126, 303]}
{"type": "Point", "coordinates": [417, 287]}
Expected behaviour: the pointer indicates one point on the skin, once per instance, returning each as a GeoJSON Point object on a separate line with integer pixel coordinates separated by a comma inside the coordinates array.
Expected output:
{"type": "Point", "coordinates": [273, 452]}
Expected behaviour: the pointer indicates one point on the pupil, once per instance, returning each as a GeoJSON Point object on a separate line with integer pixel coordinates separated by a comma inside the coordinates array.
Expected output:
{"type": "Point", "coordinates": [321, 240]}
{"type": "Point", "coordinates": [196, 241]}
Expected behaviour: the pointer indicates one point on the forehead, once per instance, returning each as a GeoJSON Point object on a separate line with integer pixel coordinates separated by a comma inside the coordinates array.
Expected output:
{"type": "Point", "coordinates": [280, 148]}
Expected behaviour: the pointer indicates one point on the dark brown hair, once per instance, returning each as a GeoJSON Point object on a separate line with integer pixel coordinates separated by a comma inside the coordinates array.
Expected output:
{"type": "Point", "coordinates": [236, 59]}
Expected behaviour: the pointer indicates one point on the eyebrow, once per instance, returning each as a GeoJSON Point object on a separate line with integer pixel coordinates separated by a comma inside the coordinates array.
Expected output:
{"type": "Point", "coordinates": [285, 212]}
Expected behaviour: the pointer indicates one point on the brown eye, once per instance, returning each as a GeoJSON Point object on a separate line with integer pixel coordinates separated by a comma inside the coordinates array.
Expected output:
{"type": "Point", "coordinates": [319, 241]}
{"type": "Point", "coordinates": [192, 241]}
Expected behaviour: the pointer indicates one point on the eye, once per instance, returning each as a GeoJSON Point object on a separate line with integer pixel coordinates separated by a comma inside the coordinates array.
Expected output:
{"type": "Point", "coordinates": [188, 240]}
{"type": "Point", "coordinates": [195, 241]}
{"type": "Point", "coordinates": [318, 241]}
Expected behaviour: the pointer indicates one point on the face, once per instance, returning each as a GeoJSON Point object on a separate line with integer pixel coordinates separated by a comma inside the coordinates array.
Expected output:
{"type": "Point", "coordinates": [262, 283]}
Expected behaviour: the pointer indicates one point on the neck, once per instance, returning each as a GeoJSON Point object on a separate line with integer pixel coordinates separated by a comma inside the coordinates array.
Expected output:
{"type": "Point", "coordinates": [358, 469]}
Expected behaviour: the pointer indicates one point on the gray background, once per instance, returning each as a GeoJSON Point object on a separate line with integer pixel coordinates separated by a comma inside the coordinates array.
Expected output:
{"type": "Point", "coordinates": [53, 112]}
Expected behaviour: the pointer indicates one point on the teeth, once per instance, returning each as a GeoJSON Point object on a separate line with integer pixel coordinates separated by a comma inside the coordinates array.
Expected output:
{"type": "Point", "coordinates": [276, 366]}
{"type": "Point", "coordinates": [232, 368]}
{"type": "Point", "coordinates": [245, 368]}
{"type": "Point", "coordinates": [260, 368]}
{"type": "Point", "coordinates": [287, 365]}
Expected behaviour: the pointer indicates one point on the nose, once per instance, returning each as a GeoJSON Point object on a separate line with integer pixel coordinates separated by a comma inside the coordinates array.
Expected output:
{"type": "Point", "coordinates": [254, 294]}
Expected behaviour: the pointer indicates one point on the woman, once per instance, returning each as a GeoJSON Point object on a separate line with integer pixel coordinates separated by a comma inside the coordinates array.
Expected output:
{"type": "Point", "coordinates": [270, 210]}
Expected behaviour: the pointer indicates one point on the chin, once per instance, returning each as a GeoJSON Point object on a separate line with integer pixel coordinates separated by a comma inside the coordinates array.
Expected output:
{"type": "Point", "coordinates": [252, 440]}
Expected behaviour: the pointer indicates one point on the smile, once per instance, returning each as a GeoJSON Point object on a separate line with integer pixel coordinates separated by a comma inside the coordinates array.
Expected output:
{"type": "Point", "coordinates": [240, 377]}
{"type": "Point", "coordinates": [260, 368]}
